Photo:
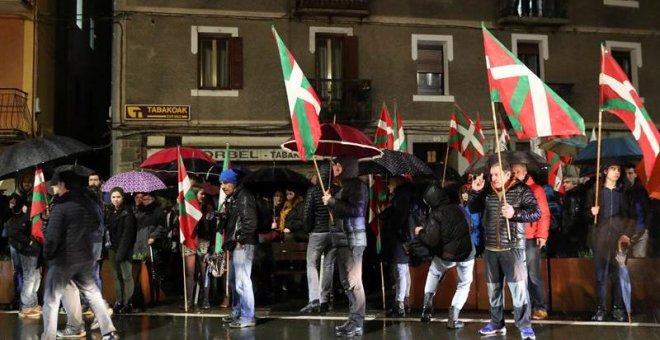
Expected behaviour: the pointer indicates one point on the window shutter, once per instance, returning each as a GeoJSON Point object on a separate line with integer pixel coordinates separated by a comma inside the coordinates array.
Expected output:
{"type": "Point", "coordinates": [351, 61]}
{"type": "Point", "coordinates": [236, 62]}
{"type": "Point", "coordinates": [528, 48]}
{"type": "Point", "coordinates": [430, 60]}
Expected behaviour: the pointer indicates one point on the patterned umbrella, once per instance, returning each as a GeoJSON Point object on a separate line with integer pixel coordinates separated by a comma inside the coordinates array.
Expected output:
{"type": "Point", "coordinates": [134, 181]}
{"type": "Point", "coordinates": [395, 163]}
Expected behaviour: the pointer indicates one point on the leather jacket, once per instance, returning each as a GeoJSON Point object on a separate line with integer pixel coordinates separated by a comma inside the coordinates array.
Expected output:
{"type": "Point", "coordinates": [242, 219]}
{"type": "Point", "coordinates": [526, 210]}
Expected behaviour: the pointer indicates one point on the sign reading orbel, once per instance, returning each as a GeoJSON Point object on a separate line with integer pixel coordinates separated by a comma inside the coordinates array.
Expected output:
{"type": "Point", "coordinates": [157, 112]}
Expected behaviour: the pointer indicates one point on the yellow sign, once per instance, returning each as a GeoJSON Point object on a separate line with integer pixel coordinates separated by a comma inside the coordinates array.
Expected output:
{"type": "Point", "coordinates": [157, 112]}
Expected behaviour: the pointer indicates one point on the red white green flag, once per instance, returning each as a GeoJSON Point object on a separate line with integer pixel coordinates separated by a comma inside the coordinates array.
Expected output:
{"type": "Point", "coordinates": [189, 211]}
{"type": "Point", "coordinates": [465, 135]}
{"type": "Point", "coordinates": [618, 97]}
{"type": "Point", "coordinates": [504, 137]}
{"type": "Point", "coordinates": [39, 205]}
{"type": "Point", "coordinates": [304, 104]}
{"type": "Point", "coordinates": [384, 138]}
{"type": "Point", "coordinates": [534, 110]}
{"type": "Point", "coordinates": [400, 141]}
{"type": "Point", "coordinates": [226, 164]}
{"type": "Point", "coordinates": [555, 171]}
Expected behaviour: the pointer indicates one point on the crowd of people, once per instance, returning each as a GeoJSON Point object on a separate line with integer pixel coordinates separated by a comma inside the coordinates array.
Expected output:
{"type": "Point", "coordinates": [502, 215]}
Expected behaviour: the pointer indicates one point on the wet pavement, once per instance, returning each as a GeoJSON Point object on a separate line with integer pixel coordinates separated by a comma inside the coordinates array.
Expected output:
{"type": "Point", "coordinates": [163, 325]}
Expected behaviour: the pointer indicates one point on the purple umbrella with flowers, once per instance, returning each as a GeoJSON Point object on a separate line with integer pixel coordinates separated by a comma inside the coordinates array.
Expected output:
{"type": "Point", "coordinates": [134, 181]}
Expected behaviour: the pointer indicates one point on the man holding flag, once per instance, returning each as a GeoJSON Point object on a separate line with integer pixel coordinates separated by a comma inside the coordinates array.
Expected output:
{"type": "Point", "coordinates": [240, 212]}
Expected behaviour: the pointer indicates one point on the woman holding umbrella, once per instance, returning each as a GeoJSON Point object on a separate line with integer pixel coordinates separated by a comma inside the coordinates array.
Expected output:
{"type": "Point", "coordinates": [122, 230]}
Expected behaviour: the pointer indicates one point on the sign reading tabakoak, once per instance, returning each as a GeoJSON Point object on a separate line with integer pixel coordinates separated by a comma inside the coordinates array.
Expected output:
{"type": "Point", "coordinates": [157, 112]}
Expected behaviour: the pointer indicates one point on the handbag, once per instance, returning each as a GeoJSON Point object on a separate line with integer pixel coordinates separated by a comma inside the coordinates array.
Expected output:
{"type": "Point", "coordinates": [216, 264]}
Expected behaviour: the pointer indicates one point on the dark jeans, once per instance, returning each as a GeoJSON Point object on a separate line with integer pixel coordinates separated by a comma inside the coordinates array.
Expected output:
{"type": "Point", "coordinates": [605, 268]}
{"type": "Point", "coordinates": [320, 243]}
{"type": "Point", "coordinates": [509, 265]}
{"type": "Point", "coordinates": [350, 273]}
{"type": "Point", "coordinates": [535, 284]}
{"type": "Point", "coordinates": [122, 273]}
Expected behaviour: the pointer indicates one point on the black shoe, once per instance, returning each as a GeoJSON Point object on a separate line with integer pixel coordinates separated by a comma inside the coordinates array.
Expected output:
{"type": "Point", "coordinates": [127, 309]}
{"type": "Point", "coordinates": [600, 314]}
{"type": "Point", "coordinates": [111, 336]}
{"type": "Point", "coordinates": [312, 307]}
{"type": "Point", "coordinates": [228, 319]}
{"type": "Point", "coordinates": [206, 305]}
{"type": "Point", "coordinates": [619, 314]}
{"type": "Point", "coordinates": [350, 331]}
{"type": "Point", "coordinates": [427, 314]}
{"type": "Point", "coordinates": [398, 311]}
{"type": "Point", "coordinates": [325, 307]}
{"type": "Point", "coordinates": [117, 307]}
{"type": "Point", "coordinates": [342, 327]}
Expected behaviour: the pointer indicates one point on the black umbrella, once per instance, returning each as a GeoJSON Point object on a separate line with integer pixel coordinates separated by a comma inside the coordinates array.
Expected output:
{"type": "Point", "coordinates": [272, 178]}
{"type": "Point", "coordinates": [79, 170]}
{"type": "Point", "coordinates": [620, 150]}
{"type": "Point", "coordinates": [395, 163]}
{"type": "Point", "coordinates": [38, 151]}
{"type": "Point", "coordinates": [535, 163]}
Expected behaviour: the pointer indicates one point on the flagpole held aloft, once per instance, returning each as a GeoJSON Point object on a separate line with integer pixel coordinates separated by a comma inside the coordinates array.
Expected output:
{"type": "Point", "coordinates": [499, 160]}
{"type": "Point", "coordinates": [444, 170]}
{"type": "Point", "coordinates": [183, 257]}
{"type": "Point", "coordinates": [600, 126]}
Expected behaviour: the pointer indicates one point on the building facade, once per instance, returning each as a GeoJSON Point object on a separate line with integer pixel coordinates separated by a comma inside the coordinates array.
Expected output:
{"type": "Point", "coordinates": [202, 74]}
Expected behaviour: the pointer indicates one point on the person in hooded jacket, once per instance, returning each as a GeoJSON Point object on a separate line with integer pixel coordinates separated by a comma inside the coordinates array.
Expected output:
{"type": "Point", "coordinates": [349, 209]}
{"type": "Point", "coordinates": [122, 230]}
{"type": "Point", "coordinates": [151, 219]}
{"type": "Point", "coordinates": [317, 219]}
{"type": "Point", "coordinates": [447, 233]}
{"type": "Point", "coordinates": [396, 231]}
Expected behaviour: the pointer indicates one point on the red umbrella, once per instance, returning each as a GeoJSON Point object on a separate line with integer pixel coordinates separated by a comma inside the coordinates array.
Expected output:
{"type": "Point", "coordinates": [338, 140]}
{"type": "Point", "coordinates": [166, 160]}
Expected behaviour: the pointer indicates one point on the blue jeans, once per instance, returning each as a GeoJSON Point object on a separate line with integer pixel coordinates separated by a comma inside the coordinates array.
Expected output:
{"type": "Point", "coordinates": [31, 280]}
{"type": "Point", "coordinates": [350, 273]}
{"type": "Point", "coordinates": [606, 268]}
{"type": "Point", "coordinates": [509, 265]}
{"type": "Point", "coordinates": [64, 281]}
{"type": "Point", "coordinates": [535, 284]}
{"type": "Point", "coordinates": [320, 243]}
{"type": "Point", "coordinates": [18, 272]}
{"type": "Point", "coordinates": [438, 269]}
{"type": "Point", "coordinates": [240, 283]}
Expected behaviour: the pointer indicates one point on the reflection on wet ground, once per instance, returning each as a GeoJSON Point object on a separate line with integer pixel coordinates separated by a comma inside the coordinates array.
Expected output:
{"type": "Point", "coordinates": [163, 326]}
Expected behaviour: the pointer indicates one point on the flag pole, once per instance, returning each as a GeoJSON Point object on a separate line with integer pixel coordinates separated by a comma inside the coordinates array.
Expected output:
{"type": "Point", "coordinates": [444, 171]}
{"type": "Point", "coordinates": [499, 160]}
{"type": "Point", "coordinates": [181, 239]}
{"type": "Point", "coordinates": [318, 175]}
{"type": "Point", "coordinates": [600, 126]}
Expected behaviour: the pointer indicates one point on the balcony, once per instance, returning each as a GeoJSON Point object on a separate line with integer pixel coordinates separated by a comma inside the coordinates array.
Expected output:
{"type": "Point", "coordinates": [343, 100]}
{"type": "Point", "coordinates": [16, 6]}
{"type": "Point", "coordinates": [332, 8]}
{"type": "Point", "coordinates": [533, 12]}
{"type": "Point", "coordinates": [15, 118]}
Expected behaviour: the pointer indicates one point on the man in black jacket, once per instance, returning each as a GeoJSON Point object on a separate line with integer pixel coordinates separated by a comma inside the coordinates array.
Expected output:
{"type": "Point", "coordinates": [240, 210]}
{"type": "Point", "coordinates": [68, 250]}
{"type": "Point", "coordinates": [317, 219]}
{"type": "Point", "coordinates": [349, 210]}
{"type": "Point", "coordinates": [447, 232]}
{"type": "Point", "coordinates": [504, 229]}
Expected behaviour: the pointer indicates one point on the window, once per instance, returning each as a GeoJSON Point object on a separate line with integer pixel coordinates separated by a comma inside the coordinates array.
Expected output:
{"type": "Point", "coordinates": [528, 53]}
{"type": "Point", "coordinates": [629, 56]}
{"type": "Point", "coordinates": [622, 3]}
{"type": "Point", "coordinates": [432, 54]}
{"type": "Point", "coordinates": [219, 60]}
{"type": "Point", "coordinates": [213, 62]}
{"type": "Point", "coordinates": [329, 65]}
{"type": "Point", "coordinates": [531, 49]}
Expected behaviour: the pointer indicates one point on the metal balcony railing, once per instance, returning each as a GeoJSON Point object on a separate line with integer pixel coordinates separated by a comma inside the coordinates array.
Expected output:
{"type": "Point", "coordinates": [354, 8]}
{"type": "Point", "coordinates": [538, 12]}
{"type": "Point", "coordinates": [346, 100]}
{"type": "Point", "coordinates": [15, 114]}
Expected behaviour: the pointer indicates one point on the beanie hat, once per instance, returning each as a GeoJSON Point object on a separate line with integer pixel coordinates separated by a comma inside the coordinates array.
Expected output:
{"type": "Point", "coordinates": [228, 176]}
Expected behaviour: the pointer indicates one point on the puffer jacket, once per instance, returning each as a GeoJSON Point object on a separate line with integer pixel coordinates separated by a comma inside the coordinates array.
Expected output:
{"type": "Point", "coordinates": [316, 214]}
{"type": "Point", "coordinates": [349, 206]}
{"type": "Point", "coordinates": [540, 228]}
{"type": "Point", "coordinates": [526, 210]}
{"type": "Point", "coordinates": [67, 237]}
{"type": "Point", "coordinates": [446, 230]}
{"type": "Point", "coordinates": [242, 219]}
